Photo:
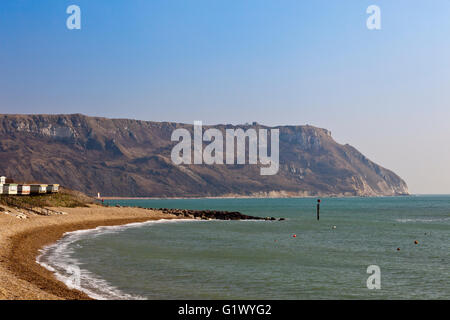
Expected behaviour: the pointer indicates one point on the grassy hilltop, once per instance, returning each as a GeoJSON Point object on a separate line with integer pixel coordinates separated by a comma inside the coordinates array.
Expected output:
{"type": "Point", "coordinates": [65, 198]}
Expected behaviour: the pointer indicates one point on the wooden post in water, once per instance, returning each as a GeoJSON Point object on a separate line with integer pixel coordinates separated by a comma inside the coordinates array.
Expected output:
{"type": "Point", "coordinates": [318, 209]}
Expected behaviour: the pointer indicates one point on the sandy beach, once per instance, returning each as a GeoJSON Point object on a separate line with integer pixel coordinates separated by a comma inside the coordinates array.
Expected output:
{"type": "Point", "coordinates": [21, 277]}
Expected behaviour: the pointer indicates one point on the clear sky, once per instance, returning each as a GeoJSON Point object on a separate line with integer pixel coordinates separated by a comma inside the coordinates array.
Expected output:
{"type": "Point", "coordinates": [277, 62]}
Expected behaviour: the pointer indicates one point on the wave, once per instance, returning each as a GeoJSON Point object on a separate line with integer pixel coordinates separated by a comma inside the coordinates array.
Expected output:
{"type": "Point", "coordinates": [58, 258]}
{"type": "Point", "coordinates": [425, 220]}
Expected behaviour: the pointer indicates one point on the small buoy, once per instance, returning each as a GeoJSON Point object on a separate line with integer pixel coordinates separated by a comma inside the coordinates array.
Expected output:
{"type": "Point", "coordinates": [398, 249]}
{"type": "Point", "coordinates": [294, 236]}
{"type": "Point", "coordinates": [334, 227]}
{"type": "Point", "coordinates": [416, 242]}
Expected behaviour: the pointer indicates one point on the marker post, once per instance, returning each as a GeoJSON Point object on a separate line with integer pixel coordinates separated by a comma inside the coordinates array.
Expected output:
{"type": "Point", "coordinates": [318, 209]}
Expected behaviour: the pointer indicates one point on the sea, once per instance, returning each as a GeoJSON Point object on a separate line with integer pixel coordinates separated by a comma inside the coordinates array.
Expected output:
{"type": "Point", "coordinates": [361, 248]}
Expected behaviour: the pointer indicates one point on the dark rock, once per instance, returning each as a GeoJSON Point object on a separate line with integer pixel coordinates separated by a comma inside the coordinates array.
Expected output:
{"type": "Point", "coordinates": [211, 214]}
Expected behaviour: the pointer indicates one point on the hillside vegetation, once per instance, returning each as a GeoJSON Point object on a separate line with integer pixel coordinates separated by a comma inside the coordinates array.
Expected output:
{"type": "Point", "coordinates": [65, 198]}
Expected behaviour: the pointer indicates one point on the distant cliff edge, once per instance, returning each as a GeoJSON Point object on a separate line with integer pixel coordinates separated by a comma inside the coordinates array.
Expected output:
{"type": "Point", "coordinates": [131, 158]}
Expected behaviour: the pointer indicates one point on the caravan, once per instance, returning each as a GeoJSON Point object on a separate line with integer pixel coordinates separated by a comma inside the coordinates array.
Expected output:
{"type": "Point", "coordinates": [9, 188]}
{"type": "Point", "coordinates": [2, 182]}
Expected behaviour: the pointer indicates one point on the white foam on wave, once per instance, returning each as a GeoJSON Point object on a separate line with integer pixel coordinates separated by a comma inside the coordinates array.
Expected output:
{"type": "Point", "coordinates": [58, 259]}
{"type": "Point", "coordinates": [423, 220]}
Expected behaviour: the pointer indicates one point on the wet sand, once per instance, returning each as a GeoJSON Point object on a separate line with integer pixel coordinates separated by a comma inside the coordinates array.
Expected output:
{"type": "Point", "coordinates": [20, 240]}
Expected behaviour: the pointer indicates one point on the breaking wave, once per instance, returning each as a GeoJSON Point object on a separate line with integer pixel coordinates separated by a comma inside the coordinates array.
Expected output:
{"type": "Point", "coordinates": [58, 258]}
{"type": "Point", "coordinates": [422, 220]}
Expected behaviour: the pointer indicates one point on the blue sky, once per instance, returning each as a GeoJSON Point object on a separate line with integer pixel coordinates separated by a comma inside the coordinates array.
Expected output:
{"type": "Point", "coordinates": [275, 62]}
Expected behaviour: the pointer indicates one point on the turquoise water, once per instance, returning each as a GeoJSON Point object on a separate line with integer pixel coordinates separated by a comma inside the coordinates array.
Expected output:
{"type": "Point", "coordinates": [262, 259]}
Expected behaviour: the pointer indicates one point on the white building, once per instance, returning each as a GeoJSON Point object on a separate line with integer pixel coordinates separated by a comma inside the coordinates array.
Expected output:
{"type": "Point", "coordinates": [38, 188]}
{"type": "Point", "coordinates": [2, 182]}
{"type": "Point", "coordinates": [10, 188]}
{"type": "Point", "coordinates": [23, 189]}
{"type": "Point", "coordinates": [52, 188]}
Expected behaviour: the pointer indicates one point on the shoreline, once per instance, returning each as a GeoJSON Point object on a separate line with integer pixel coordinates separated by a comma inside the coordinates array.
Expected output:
{"type": "Point", "coordinates": [251, 197]}
{"type": "Point", "coordinates": [22, 278]}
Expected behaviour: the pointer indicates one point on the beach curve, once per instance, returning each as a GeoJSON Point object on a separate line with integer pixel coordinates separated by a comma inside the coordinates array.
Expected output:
{"type": "Point", "coordinates": [21, 277]}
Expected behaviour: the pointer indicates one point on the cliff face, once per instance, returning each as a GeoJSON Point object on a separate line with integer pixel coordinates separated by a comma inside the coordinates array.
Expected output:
{"type": "Point", "coordinates": [120, 157]}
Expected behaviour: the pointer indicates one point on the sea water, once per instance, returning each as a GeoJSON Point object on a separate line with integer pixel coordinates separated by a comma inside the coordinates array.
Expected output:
{"type": "Point", "coordinates": [299, 258]}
